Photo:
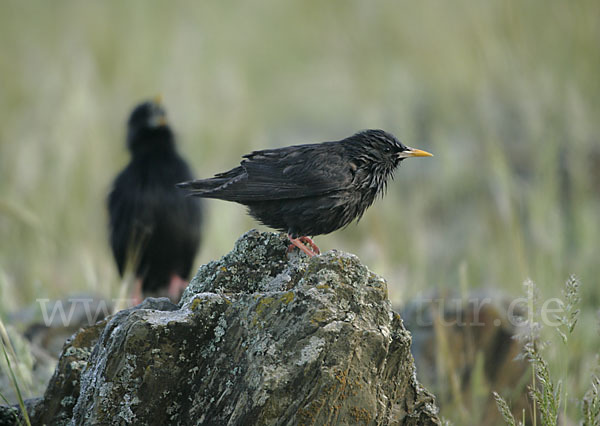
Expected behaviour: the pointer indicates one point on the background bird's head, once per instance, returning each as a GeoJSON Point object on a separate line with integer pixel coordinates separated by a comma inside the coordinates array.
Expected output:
{"type": "Point", "coordinates": [381, 152]}
{"type": "Point", "coordinates": [147, 127]}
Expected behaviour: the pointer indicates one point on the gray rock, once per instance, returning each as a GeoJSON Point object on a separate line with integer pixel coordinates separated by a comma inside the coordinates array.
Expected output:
{"type": "Point", "coordinates": [9, 415]}
{"type": "Point", "coordinates": [260, 337]}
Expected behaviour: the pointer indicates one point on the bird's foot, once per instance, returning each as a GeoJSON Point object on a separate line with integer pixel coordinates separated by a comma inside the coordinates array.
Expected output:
{"type": "Point", "coordinates": [300, 243]}
{"type": "Point", "coordinates": [176, 287]}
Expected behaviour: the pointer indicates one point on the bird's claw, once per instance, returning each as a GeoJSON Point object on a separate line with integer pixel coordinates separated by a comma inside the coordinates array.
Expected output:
{"type": "Point", "coordinates": [300, 243]}
{"type": "Point", "coordinates": [311, 243]}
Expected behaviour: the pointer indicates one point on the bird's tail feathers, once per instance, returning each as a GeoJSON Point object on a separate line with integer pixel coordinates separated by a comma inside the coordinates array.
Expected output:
{"type": "Point", "coordinates": [202, 187]}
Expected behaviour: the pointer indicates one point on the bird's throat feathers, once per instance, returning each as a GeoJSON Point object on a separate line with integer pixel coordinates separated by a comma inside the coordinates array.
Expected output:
{"type": "Point", "coordinates": [149, 141]}
{"type": "Point", "coordinates": [374, 170]}
{"type": "Point", "coordinates": [380, 180]}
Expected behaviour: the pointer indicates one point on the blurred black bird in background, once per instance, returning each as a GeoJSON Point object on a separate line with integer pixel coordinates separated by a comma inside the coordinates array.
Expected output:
{"type": "Point", "coordinates": [308, 190]}
{"type": "Point", "coordinates": [154, 227]}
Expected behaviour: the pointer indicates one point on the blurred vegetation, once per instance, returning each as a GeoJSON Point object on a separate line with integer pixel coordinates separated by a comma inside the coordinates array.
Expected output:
{"type": "Point", "coordinates": [505, 94]}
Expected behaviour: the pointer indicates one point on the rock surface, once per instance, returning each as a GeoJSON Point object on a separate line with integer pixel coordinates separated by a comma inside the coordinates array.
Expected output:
{"type": "Point", "coordinates": [260, 337]}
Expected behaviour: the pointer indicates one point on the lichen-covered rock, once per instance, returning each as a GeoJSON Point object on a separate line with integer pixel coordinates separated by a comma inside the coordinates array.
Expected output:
{"type": "Point", "coordinates": [56, 407]}
{"type": "Point", "coordinates": [260, 337]}
{"type": "Point", "coordinates": [9, 415]}
{"type": "Point", "coordinates": [65, 381]}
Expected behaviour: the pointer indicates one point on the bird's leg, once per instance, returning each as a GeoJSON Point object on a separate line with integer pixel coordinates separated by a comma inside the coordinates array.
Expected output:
{"type": "Point", "coordinates": [176, 287]}
{"type": "Point", "coordinates": [298, 243]}
{"type": "Point", "coordinates": [136, 293]}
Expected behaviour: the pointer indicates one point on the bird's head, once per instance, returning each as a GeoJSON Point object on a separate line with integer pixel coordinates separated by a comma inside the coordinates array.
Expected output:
{"type": "Point", "coordinates": [147, 123]}
{"type": "Point", "coordinates": [381, 152]}
{"type": "Point", "coordinates": [383, 147]}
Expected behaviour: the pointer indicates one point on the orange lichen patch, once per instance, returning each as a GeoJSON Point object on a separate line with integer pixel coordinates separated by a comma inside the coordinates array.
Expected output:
{"type": "Point", "coordinates": [360, 414]}
{"type": "Point", "coordinates": [342, 377]}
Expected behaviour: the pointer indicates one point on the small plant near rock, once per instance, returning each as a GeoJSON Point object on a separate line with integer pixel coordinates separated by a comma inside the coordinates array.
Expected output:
{"type": "Point", "coordinates": [549, 396]}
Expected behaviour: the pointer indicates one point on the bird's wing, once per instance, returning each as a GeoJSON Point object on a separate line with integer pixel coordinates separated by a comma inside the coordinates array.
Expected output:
{"type": "Point", "coordinates": [292, 172]}
{"type": "Point", "coordinates": [122, 213]}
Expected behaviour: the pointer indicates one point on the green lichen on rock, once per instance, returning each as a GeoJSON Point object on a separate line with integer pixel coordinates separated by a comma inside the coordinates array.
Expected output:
{"type": "Point", "coordinates": [261, 336]}
{"type": "Point", "coordinates": [250, 267]}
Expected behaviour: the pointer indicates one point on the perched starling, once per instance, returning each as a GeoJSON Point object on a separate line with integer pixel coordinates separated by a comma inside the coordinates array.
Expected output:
{"type": "Point", "coordinates": [154, 227]}
{"type": "Point", "coordinates": [308, 190]}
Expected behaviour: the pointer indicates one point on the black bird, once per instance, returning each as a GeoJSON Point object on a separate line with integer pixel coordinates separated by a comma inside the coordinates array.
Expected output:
{"type": "Point", "coordinates": [154, 227]}
{"type": "Point", "coordinates": [308, 190]}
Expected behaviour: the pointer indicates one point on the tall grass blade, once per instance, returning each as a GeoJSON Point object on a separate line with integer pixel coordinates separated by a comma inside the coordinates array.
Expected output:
{"type": "Point", "coordinates": [16, 386]}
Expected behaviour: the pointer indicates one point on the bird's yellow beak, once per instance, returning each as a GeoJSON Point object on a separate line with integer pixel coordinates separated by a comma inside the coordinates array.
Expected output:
{"type": "Point", "coordinates": [159, 118]}
{"type": "Point", "coordinates": [414, 152]}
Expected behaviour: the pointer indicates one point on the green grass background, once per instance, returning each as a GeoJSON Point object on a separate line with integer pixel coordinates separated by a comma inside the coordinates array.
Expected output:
{"type": "Point", "coordinates": [506, 95]}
